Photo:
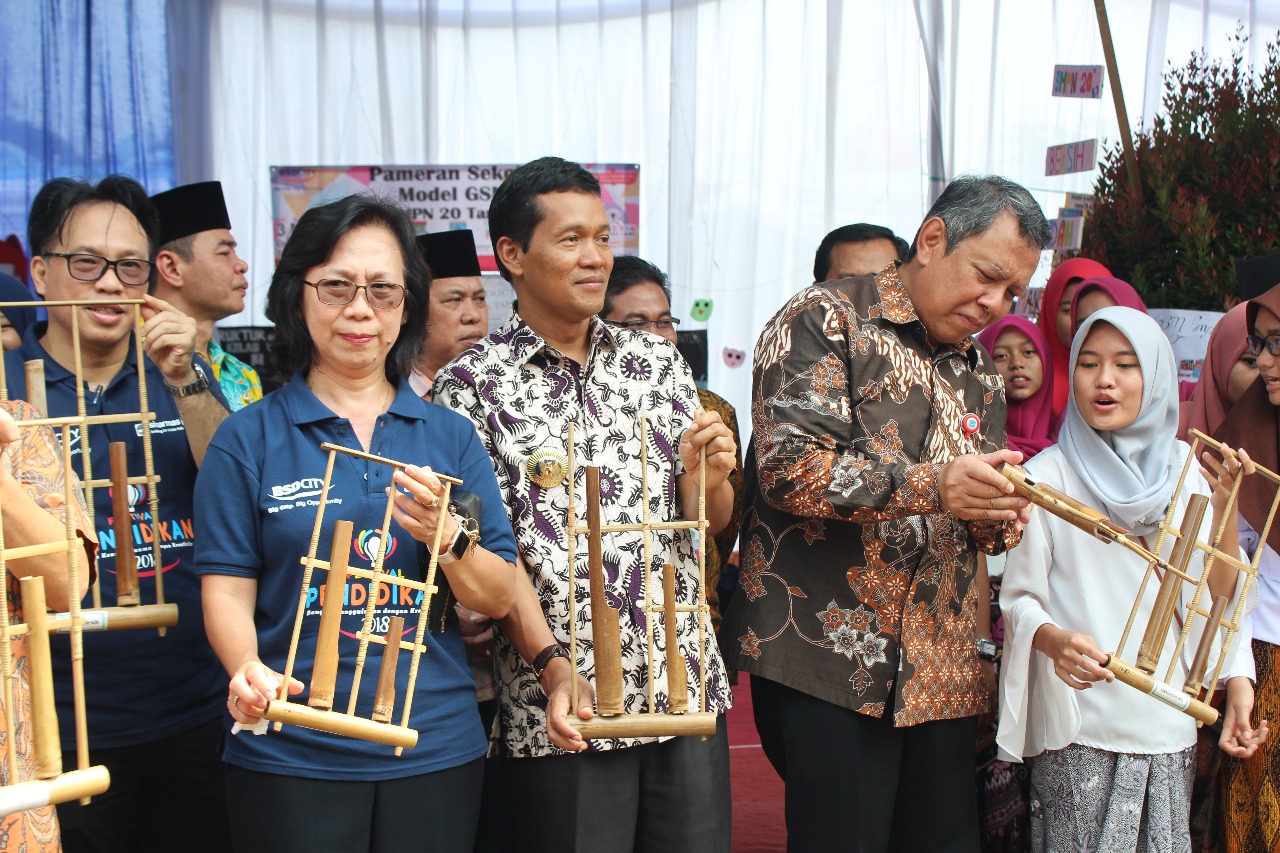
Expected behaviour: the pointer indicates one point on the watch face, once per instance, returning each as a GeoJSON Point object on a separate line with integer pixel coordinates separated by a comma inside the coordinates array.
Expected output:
{"type": "Point", "coordinates": [461, 542]}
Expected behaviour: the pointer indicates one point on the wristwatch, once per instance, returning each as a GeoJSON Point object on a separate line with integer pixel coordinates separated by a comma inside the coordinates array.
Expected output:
{"type": "Point", "coordinates": [544, 658]}
{"type": "Point", "coordinates": [462, 541]}
{"type": "Point", "coordinates": [201, 384]}
{"type": "Point", "coordinates": [986, 648]}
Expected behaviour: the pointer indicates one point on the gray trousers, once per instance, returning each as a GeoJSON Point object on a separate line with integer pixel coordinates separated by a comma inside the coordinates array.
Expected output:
{"type": "Point", "coordinates": [655, 798]}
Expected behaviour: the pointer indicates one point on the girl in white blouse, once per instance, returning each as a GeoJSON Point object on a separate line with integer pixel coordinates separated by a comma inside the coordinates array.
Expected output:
{"type": "Point", "coordinates": [1114, 766]}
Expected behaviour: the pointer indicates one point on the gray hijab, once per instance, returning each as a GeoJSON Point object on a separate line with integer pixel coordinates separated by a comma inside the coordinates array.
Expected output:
{"type": "Point", "coordinates": [1131, 471]}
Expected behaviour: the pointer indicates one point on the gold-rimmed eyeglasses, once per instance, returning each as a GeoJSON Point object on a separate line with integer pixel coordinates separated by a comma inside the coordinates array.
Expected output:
{"type": "Point", "coordinates": [339, 291]}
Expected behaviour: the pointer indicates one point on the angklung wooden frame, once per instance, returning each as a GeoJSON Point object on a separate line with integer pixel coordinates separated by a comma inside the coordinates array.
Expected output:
{"type": "Point", "coordinates": [318, 713]}
{"type": "Point", "coordinates": [51, 784]}
{"type": "Point", "coordinates": [611, 721]}
{"type": "Point", "coordinates": [1170, 575]}
{"type": "Point", "coordinates": [129, 612]}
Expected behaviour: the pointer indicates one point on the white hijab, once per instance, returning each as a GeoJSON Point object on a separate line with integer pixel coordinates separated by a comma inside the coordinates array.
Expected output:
{"type": "Point", "coordinates": [1131, 471]}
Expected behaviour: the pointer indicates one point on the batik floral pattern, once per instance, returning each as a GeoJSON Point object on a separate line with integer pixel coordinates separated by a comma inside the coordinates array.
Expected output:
{"type": "Point", "coordinates": [854, 417]}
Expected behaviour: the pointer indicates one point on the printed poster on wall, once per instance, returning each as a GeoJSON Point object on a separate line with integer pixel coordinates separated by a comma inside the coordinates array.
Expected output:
{"type": "Point", "coordinates": [440, 198]}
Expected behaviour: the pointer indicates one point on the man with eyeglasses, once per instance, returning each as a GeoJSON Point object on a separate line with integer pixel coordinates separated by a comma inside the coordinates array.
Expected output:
{"type": "Point", "coordinates": [639, 297]}
{"type": "Point", "coordinates": [199, 273]}
{"type": "Point", "coordinates": [155, 704]}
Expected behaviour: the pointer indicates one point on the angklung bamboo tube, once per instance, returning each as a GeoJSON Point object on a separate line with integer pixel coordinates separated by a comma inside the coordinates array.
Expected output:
{"type": "Point", "coordinates": [606, 638]}
{"type": "Point", "coordinates": [324, 674]}
{"type": "Point", "coordinates": [75, 785]}
{"type": "Point", "coordinates": [384, 701]}
{"type": "Point", "coordinates": [346, 725]}
{"type": "Point", "coordinates": [46, 745]}
{"type": "Point", "coordinates": [1170, 586]}
{"type": "Point", "coordinates": [35, 385]}
{"type": "Point", "coordinates": [677, 678]}
{"type": "Point", "coordinates": [122, 522]}
{"type": "Point", "coordinates": [1200, 663]}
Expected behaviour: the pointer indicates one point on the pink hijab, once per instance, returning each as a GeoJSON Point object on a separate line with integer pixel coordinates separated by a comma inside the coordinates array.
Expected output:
{"type": "Point", "coordinates": [1058, 353]}
{"type": "Point", "coordinates": [1120, 291]}
{"type": "Point", "coordinates": [1208, 406]}
{"type": "Point", "coordinates": [1031, 424]}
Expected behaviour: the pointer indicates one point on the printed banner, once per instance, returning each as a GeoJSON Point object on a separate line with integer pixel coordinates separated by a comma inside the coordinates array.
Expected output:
{"type": "Point", "coordinates": [443, 197]}
{"type": "Point", "coordinates": [1079, 156]}
{"type": "Point", "coordinates": [1188, 331]}
{"type": "Point", "coordinates": [1078, 81]}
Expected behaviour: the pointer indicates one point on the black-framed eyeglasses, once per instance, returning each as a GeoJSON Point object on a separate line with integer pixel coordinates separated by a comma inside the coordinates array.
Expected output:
{"type": "Point", "coordinates": [83, 266]}
{"type": "Point", "coordinates": [338, 291]}
{"type": "Point", "coordinates": [666, 324]}
{"type": "Point", "coordinates": [1254, 344]}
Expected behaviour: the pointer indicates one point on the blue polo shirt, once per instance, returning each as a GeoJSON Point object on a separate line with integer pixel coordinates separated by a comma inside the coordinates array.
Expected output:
{"type": "Point", "coordinates": [256, 501]}
{"type": "Point", "coordinates": [139, 687]}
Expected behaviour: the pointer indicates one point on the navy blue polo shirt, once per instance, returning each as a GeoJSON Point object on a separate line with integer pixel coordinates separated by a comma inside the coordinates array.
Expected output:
{"type": "Point", "coordinates": [139, 687]}
{"type": "Point", "coordinates": [256, 501]}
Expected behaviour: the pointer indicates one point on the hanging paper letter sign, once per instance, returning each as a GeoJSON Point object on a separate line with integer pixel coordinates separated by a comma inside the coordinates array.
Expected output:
{"type": "Point", "coordinates": [1079, 156]}
{"type": "Point", "coordinates": [1077, 81]}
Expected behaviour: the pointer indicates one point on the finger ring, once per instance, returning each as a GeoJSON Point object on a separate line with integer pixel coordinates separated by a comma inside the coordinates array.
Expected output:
{"type": "Point", "coordinates": [435, 502]}
{"type": "Point", "coordinates": [235, 701]}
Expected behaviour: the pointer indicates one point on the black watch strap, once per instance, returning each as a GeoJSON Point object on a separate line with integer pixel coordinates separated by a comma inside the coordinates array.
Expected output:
{"type": "Point", "coordinates": [544, 658]}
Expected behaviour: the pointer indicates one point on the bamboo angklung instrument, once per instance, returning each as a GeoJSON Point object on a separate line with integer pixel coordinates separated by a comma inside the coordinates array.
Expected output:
{"type": "Point", "coordinates": [378, 727]}
{"type": "Point", "coordinates": [122, 521]}
{"type": "Point", "coordinates": [606, 638]}
{"type": "Point", "coordinates": [649, 722]}
{"type": "Point", "coordinates": [324, 672]}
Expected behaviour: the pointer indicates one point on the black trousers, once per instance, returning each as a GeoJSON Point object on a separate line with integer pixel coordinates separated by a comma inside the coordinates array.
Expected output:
{"type": "Point", "coordinates": [164, 796]}
{"type": "Point", "coordinates": [655, 798]}
{"type": "Point", "coordinates": [855, 783]}
{"type": "Point", "coordinates": [428, 813]}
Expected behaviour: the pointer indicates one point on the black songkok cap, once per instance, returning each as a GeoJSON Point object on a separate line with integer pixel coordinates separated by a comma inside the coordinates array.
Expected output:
{"type": "Point", "coordinates": [191, 209]}
{"type": "Point", "coordinates": [450, 254]}
{"type": "Point", "coordinates": [1257, 275]}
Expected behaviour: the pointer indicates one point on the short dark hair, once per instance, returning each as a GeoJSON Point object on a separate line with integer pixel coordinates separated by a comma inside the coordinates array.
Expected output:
{"type": "Point", "coordinates": [515, 211]}
{"type": "Point", "coordinates": [628, 271]}
{"type": "Point", "coordinates": [183, 247]}
{"type": "Point", "coordinates": [56, 200]}
{"type": "Point", "coordinates": [859, 232]}
{"type": "Point", "coordinates": [311, 244]}
{"type": "Point", "coordinates": [971, 204]}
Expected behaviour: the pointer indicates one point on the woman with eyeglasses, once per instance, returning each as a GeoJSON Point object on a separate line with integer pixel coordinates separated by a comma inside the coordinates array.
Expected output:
{"type": "Point", "coordinates": [349, 300]}
{"type": "Point", "coordinates": [1249, 791]}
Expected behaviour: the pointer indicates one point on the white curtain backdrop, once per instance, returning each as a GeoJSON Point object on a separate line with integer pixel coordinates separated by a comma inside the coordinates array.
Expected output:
{"type": "Point", "coordinates": [759, 125]}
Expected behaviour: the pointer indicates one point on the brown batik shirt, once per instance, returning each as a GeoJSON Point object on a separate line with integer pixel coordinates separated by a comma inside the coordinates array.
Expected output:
{"type": "Point", "coordinates": [857, 587]}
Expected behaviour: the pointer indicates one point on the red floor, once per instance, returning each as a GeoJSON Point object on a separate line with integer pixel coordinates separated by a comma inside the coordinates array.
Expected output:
{"type": "Point", "coordinates": [759, 825]}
